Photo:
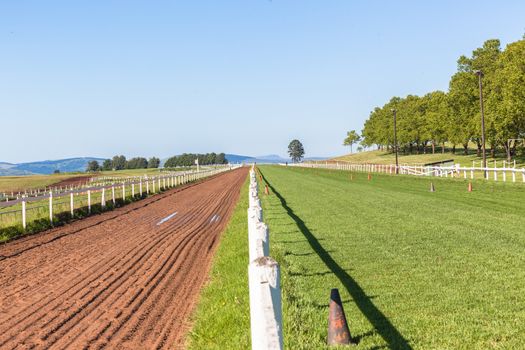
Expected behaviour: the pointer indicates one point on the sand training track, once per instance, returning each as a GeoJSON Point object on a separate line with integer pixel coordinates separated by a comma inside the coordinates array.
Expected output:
{"type": "Point", "coordinates": [128, 278]}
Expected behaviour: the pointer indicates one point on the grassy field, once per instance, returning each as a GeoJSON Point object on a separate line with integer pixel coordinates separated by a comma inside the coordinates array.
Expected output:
{"type": "Point", "coordinates": [416, 270]}
{"type": "Point", "coordinates": [381, 157]}
{"type": "Point", "coordinates": [20, 183]}
{"type": "Point", "coordinates": [222, 320]}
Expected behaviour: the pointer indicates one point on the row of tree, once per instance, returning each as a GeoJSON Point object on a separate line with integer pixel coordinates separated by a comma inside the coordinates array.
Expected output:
{"type": "Point", "coordinates": [453, 117]}
{"type": "Point", "coordinates": [120, 163]}
{"type": "Point", "coordinates": [188, 159]}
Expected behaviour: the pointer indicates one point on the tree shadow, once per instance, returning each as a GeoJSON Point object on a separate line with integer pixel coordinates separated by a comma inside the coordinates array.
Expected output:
{"type": "Point", "coordinates": [380, 322]}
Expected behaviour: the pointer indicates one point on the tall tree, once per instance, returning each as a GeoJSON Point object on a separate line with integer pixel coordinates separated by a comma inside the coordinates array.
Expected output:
{"type": "Point", "coordinates": [506, 103]}
{"type": "Point", "coordinates": [137, 163]}
{"type": "Point", "coordinates": [153, 162]}
{"type": "Point", "coordinates": [107, 164]}
{"type": "Point", "coordinates": [92, 166]}
{"type": "Point", "coordinates": [119, 162]}
{"type": "Point", "coordinates": [436, 115]}
{"type": "Point", "coordinates": [352, 137]}
{"type": "Point", "coordinates": [296, 150]}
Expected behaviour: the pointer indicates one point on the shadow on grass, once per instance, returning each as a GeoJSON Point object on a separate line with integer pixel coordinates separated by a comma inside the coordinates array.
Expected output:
{"type": "Point", "coordinates": [381, 323]}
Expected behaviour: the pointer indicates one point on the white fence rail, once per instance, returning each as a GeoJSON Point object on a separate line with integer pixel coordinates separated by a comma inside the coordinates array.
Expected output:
{"type": "Point", "coordinates": [84, 196]}
{"type": "Point", "coordinates": [97, 181]}
{"type": "Point", "coordinates": [505, 174]}
{"type": "Point", "coordinates": [263, 279]}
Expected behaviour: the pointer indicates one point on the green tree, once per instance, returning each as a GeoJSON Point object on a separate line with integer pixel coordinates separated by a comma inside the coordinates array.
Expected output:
{"type": "Point", "coordinates": [436, 116]}
{"type": "Point", "coordinates": [296, 150]}
{"type": "Point", "coordinates": [153, 162]}
{"type": "Point", "coordinates": [352, 137]}
{"type": "Point", "coordinates": [221, 159]}
{"type": "Point", "coordinates": [92, 166]}
{"type": "Point", "coordinates": [137, 163]}
{"type": "Point", "coordinates": [107, 164]}
{"type": "Point", "coordinates": [119, 162]}
{"type": "Point", "coordinates": [506, 103]}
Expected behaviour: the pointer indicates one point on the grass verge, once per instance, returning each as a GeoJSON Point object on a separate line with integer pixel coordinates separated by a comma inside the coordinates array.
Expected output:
{"type": "Point", "coordinates": [222, 318]}
{"type": "Point", "coordinates": [416, 270]}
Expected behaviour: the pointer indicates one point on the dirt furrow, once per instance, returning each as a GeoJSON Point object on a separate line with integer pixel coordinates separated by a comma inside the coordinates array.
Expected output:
{"type": "Point", "coordinates": [118, 279]}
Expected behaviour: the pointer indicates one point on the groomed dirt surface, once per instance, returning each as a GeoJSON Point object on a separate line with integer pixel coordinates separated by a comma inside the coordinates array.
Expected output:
{"type": "Point", "coordinates": [72, 181]}
{"type": "Point", "coordinates": [128, 278]}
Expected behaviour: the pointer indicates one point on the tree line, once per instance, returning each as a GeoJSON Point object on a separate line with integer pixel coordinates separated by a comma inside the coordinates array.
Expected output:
{"type": "Point", "coordinates": [440, 118]}
{"type": "Point", "coordinates": [188, 159]}
{"type": "Point", "coordinates": [119, 162]}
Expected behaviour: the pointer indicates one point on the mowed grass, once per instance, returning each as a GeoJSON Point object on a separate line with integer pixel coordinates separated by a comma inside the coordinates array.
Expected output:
{"type": "Point", "coordinates": [27, 182]}
{"type": "Point", "coordinates": [20, 183]}
{"type": "Point", "coordinates": [222, 319]}
{"type": "Point", "coordinates": [382, 157]}
{"type": "Point", "coordinates": [415, 269]}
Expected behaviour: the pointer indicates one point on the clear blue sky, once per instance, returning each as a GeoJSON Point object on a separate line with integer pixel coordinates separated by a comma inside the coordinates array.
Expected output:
{"type": "Point", "coordinates": [97, 78]}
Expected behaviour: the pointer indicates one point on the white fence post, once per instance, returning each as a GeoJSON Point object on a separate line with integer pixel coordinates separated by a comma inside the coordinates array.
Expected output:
{"type": "Point", "coordinates": [24, 212]}
{"type": "Point", "coordinates": [103, 200]}
{"type": "Point", "coordinates": [71, 204]}
{"type": "Point", "coordinates": [113, 195]}
{"type": "Point", "coordinates": [89, 201]}
{"type": "Point", "coordinates": [51, 206]}
{"type": "Point", "coordinates": [265, 304]}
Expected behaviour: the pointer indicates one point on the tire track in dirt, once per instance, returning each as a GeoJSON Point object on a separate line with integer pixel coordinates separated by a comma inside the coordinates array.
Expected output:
{"type": "Point", "coordinates": [118, 279]}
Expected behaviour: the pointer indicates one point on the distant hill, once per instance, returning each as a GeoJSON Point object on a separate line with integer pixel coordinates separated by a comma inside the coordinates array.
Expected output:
{"type": "Point", "coordinates": [267, 159]}
{"type": "Point", "coordinates": [4, 165]}
{"type": "Point", "coordinates": [46, 166]}
{"type": "Point", "coordinates": [235, 158]}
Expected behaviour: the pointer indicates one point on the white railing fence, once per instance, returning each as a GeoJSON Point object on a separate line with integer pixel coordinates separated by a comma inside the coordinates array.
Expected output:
{"type": "Point", "coordinates": [505, 174]}
{"type": "Point", "coordinates": [54, 202]}
{"type": "Point", "coordinates": [263, 279]}
{"type": "Point", "coordinates": [97, 181]}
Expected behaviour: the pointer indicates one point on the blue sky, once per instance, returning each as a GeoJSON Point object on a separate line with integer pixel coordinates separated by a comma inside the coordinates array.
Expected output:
{"type": "Point", "coordinates": [97, 78]}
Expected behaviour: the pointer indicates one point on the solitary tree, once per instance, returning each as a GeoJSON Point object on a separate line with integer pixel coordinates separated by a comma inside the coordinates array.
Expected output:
{"type": "Point", "coordinates": [296, 150]}
{"type": "Point", "coordinates": [352, 137]}
{"type": "Point", "coordinates": [93, 166]}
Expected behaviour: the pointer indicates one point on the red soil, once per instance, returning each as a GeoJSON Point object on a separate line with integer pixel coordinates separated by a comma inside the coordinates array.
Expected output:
{"type": "Point", "coordinates": [122, 279]}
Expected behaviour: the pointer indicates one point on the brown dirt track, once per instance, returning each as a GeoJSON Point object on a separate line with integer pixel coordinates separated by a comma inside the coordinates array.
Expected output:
{"type": "Point", "coordinates": [119, 279]}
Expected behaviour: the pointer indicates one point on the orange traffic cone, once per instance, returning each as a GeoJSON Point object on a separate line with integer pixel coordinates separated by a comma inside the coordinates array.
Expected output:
{"type": "Point", "coordinates": [470, 186]}
{"type": "Point", "coordinates": [266, 191]}
{"type": "Point", "coordinates": [338, 332]}
{"type": "Point", "coordinates": [369, 176]}
{"type": "Point", "coordinates": [432, 188]}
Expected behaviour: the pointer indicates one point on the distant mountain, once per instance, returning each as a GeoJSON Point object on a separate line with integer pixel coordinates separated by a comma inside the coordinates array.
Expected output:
{"type": "Point", "coordinates": [269, 159]}
{"type": "Point", "coordinates": [235, 158]}
{"type": "Point", "coordinates": [272, 158]}
{"type": "Point", "coordinates": [266, 159]}
{"type": "Point", "coordinates": [4, 165]}
{"type": "Point", "coordinates": [46, 166]}
{"type": "Point", "coordinates": [316, 158]}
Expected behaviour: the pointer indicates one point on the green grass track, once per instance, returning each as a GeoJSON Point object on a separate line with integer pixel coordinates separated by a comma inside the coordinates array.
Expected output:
{"type": "Point", "coordinates": [415, 269]}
